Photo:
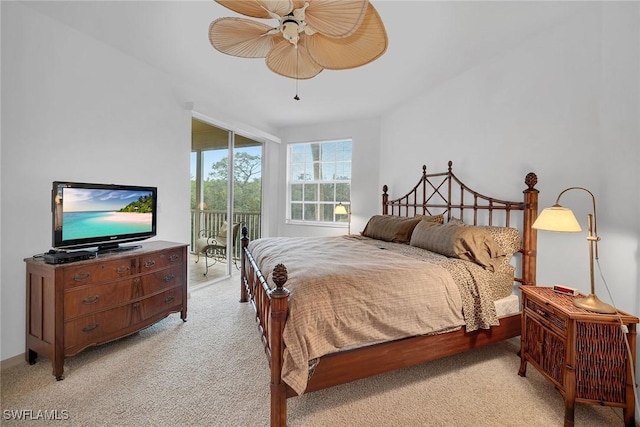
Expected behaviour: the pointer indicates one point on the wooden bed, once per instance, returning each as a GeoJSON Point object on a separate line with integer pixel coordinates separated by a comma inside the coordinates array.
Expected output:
{"type": "Point", "coordinates": [435, 193]}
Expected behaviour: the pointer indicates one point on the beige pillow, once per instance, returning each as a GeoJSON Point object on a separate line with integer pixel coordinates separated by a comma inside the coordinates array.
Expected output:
{"type": "Point", "coordinates": [507, 238]}
{"type": "Point", "coordinates": [460, 241]}
{"type": "Point", "coordinates": [390, 228]}
{"type": "Point", "coordinates": [222, 232]}
{"type": "Point", "coordinates": [432, 218]}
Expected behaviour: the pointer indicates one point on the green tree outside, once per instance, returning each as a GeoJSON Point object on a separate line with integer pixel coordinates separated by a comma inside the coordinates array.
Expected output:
{"type": "Point", "coordinates": [247, 180]}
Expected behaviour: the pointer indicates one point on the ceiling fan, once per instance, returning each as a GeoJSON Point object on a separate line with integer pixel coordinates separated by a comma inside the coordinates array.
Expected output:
{"type": "Point", "coordinates": [309, 35]}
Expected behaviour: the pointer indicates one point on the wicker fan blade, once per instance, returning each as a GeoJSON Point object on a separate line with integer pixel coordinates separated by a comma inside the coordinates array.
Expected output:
{"type": "Point", "coordinates": [336, 18]}
{"type": "Point", "coordinates": [367, 44]}
{"type": "Point", "coordinates": [287, 60]}
{"type": "Point", "coordinates": [242, 37]}
{"type": "Point", "coordinates": [259, 8]}
{"type": "Point", "coordinates": [297, 4]}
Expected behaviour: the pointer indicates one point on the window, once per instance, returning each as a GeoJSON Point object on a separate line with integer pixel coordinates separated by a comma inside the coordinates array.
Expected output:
{"type": "Point", "coordinates": [319, 179]}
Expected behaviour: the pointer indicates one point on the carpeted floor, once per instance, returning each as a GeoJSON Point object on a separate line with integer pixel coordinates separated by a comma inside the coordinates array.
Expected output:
{"type": "Point", "coordinates": [211, 371]}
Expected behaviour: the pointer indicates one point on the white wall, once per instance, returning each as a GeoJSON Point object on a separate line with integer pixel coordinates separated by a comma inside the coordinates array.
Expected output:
{"type": "Point", "coordinates": [75, 109]}
{"type": "Point", "coordinates": [365, 191]}
{"type": "Point", "coordinates": [564, 104]}
{"type": "Point", "coordinates": [619, 156]}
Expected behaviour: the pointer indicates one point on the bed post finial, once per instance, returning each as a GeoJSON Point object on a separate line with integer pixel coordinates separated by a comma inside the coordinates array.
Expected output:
{"type": "Point", "coordinates": [424, 170]}
{"type": "Point", "coordinates": [280, 277]}
{"type": "Point", "coordinates": [385, 200]}
{"type": "Point", "coordinates": [531, 180]}
{"type": "Point", "coordinates": [450, 165]}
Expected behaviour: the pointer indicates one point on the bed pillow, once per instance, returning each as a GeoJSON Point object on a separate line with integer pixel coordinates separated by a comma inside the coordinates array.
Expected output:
{"type": "Point", "coordinates": [390, 228]}
{"type": "Point", "coordinates": [460, 241]}
{"type": "Point", "coordinates": [432, 218]}
{"type": "Point", "coordinates": [507, 238]}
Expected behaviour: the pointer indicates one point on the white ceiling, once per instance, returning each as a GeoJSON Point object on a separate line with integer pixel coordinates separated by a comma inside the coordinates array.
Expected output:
{"type": "Point", "coordinates": [429, 42]}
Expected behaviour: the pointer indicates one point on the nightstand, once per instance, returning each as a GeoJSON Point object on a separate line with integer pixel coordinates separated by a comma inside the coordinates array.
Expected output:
{"type": "Point", "coordinates": [583, 354]}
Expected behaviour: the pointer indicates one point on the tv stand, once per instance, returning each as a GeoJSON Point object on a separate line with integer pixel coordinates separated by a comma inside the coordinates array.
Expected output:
{"type": "Point", "coordinates": [74, 306]}
{"type": "Point", "coordinates": [105, 249]}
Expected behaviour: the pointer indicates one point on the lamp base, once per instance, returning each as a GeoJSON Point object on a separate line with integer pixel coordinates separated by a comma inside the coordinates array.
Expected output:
{"type": "Point", "coordinates": [592, 303]}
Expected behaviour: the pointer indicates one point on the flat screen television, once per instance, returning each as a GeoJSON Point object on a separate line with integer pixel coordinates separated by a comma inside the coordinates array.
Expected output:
{"type": "Point", "coordinates": [102, 215]}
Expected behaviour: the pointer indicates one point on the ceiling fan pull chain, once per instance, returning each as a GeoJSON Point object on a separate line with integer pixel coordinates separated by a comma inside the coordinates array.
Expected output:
{"type": "Point", "coordinates": [297, 98]}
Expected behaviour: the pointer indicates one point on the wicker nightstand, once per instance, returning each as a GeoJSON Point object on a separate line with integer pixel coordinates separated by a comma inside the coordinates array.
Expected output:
{"type": "Point", "coordinates": [582, 353]}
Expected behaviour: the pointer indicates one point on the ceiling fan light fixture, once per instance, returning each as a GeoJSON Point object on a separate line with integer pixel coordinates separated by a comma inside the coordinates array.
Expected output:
{"type": "Point", "coordinates": [309, 36]}
{"type": "Point", "coordinates": [290, 29]}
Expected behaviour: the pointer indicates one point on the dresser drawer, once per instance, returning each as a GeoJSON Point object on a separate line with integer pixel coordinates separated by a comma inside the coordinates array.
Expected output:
{"type": "Point", "coordinates": [163, 279]}
{"type": "Point", "coordinates": [160, 260]}
{"type": "Point", "coordinates": [160, 303]}
{"type": "Point", "coordinates": [547, 316]}
{"type": "Point", "coordinates": [98, 272]}
{"type": "Point", "coordinates": [92, 329]}
{"type": "Point", "coordinates": [90, 299]}
{"type": "Point", "coordinates": [96, 328]}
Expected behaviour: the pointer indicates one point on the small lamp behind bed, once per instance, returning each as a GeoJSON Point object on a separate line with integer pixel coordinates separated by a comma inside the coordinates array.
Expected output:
{"type": "Point", "coordinates": [558, 218]}
{"type": "Point", "coordinates": [343, 210]}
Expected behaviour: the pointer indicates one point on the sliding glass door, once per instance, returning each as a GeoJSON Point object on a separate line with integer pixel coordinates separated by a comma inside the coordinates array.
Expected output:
{"type": "Point", "coordinates": [226, 195]}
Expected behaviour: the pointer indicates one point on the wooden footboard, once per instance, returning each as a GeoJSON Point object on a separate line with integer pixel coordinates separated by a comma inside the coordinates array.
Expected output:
{"type": "Point", "coordinates": [271, 308]}
{"type": "Point", "coordinates": [271, 304]}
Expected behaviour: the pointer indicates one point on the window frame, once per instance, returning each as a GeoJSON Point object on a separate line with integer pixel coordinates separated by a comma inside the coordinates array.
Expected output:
{"type": "Point", "coordinates": [341, 187]}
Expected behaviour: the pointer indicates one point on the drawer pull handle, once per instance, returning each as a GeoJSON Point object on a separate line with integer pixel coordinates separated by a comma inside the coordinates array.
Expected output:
{"type": "Point", "coordinates": [542, 313]}
{"type": "Point", "coordinates": [91, 300]}
{"type": "Point", "coordinates": [169, 277]}
{"type": "Point", "coordinates": [90, 327]}
{"type": "Point", "coordinates": [168, 299]}
{"type": "Point", "coordinates": [149, 264]}
{"type": "Point", "coordinates": [122, 269]}
{"type": "Point", "coordinates": [174, 257]}
{"type": "Point", "coordinates": [81, 276]}
{"type": "Point", "coordinates": [136, 305]}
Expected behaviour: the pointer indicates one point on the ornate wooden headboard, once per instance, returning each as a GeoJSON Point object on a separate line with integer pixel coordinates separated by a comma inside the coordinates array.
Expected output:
{"type": "Point", "coordinates": [443, 193]}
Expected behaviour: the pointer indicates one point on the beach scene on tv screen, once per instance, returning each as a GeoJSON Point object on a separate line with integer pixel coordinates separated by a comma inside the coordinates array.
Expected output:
{"type": "Point", "coordinates": [97, 212]}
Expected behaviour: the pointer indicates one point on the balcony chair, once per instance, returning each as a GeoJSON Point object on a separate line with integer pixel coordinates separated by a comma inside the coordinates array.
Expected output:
{"type": "Point", "coordinates": [213, 245]}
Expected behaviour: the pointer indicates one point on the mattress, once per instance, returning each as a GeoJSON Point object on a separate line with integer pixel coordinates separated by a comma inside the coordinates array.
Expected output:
{"type": "Point", "coordinates": [508, 305]}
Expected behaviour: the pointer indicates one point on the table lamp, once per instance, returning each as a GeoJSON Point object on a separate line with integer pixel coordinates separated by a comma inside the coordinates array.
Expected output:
{"type": "Point", "coordinates": [558, 218]}
{"type": "Point", "coordinates": [342, 210]}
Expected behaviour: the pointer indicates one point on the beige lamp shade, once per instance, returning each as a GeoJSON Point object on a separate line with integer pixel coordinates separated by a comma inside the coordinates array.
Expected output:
{"type": "Point", "coordinates": [340, 209]}
{"type": "Point", "coordinates": [557, 218]}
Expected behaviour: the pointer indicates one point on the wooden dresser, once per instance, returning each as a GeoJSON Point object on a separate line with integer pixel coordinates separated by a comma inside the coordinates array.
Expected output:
{"type": "Point", "coordinates": [582, 353]}
{"type": "Point", "coordinates": [80, 304]}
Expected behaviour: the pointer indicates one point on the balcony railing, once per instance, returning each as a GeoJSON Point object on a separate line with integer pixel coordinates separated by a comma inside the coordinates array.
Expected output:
{"type": "Point", "coordinates": [212, 221]}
